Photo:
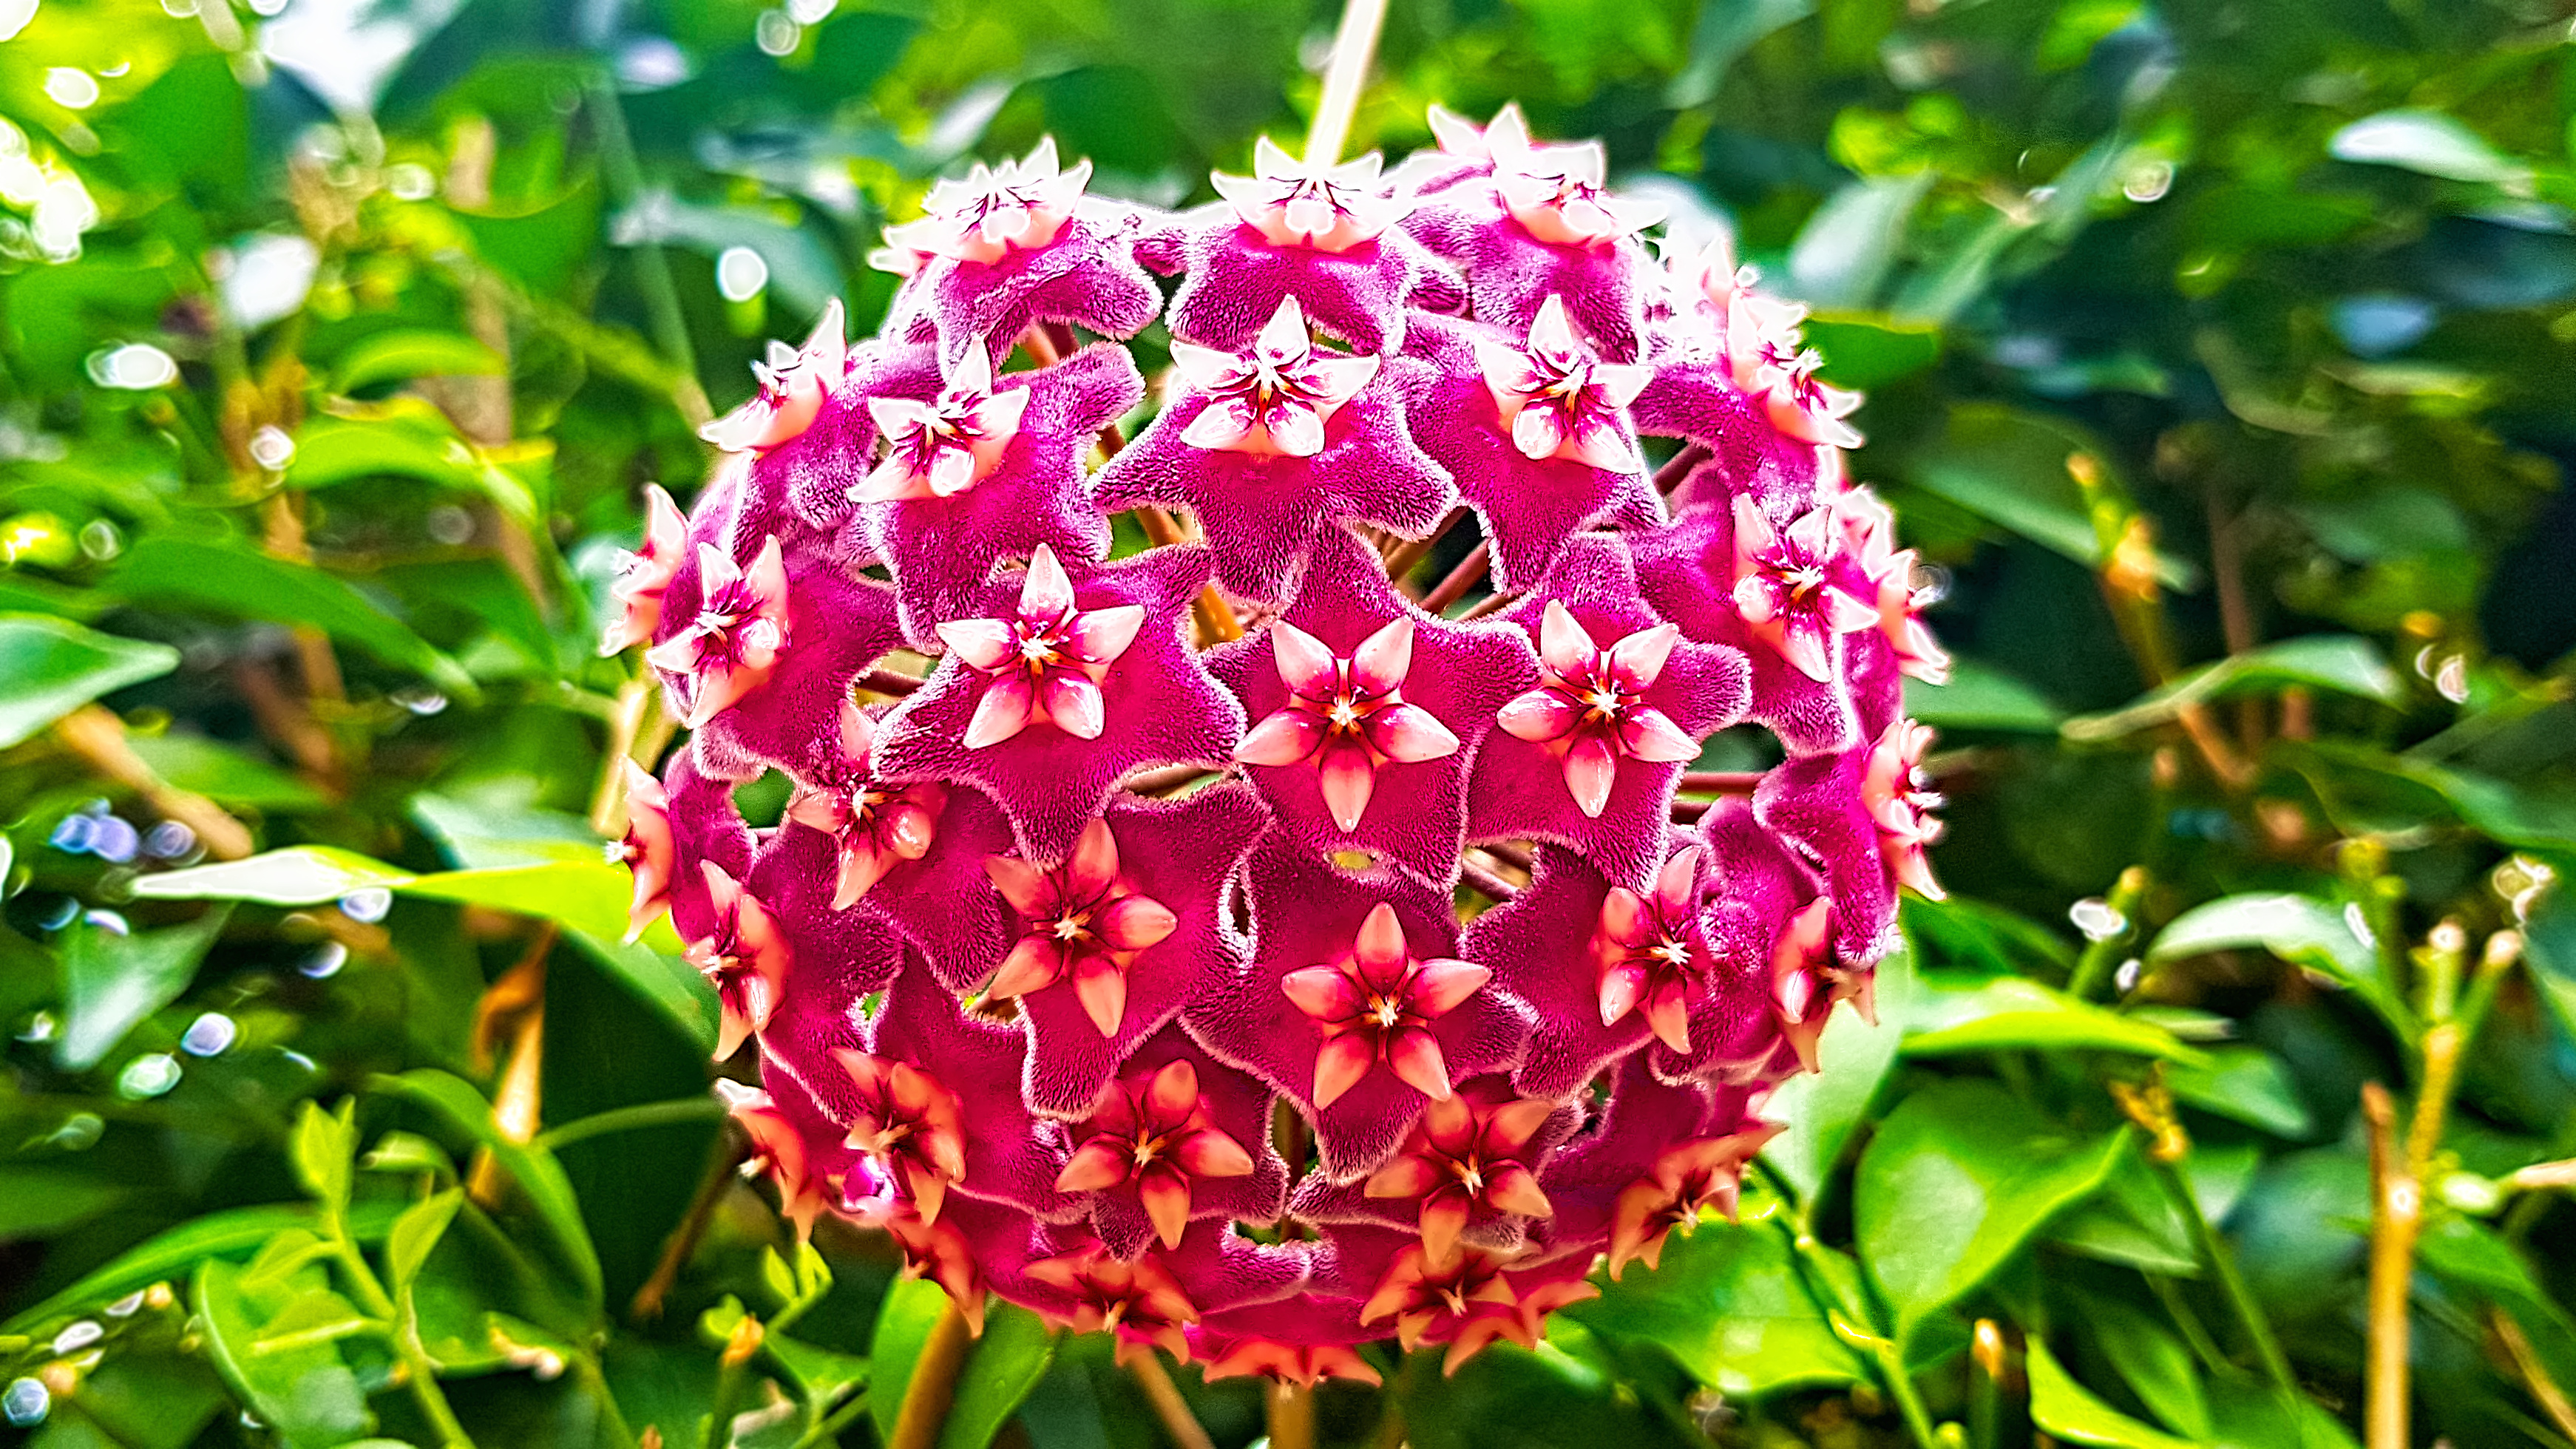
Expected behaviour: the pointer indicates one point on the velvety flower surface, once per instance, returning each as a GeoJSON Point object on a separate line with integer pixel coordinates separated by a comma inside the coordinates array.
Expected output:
{"type": "Point", "coordinates": [1216, 940]}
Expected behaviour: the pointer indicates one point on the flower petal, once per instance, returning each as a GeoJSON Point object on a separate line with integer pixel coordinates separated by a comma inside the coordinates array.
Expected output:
{"type": "Point", "coordinates": [1339, 1065]}
{"type": "Point", "coordinates": [1409, 734]}
{"type": "Point", "coordinates": [1414, 1054]}
{"type": "Point", "coordinates": [1094, 1165]}
{"type": "Point", "coordinates": [1443, 984]}
{"type": "Point", "coordinates": [1132, 923]}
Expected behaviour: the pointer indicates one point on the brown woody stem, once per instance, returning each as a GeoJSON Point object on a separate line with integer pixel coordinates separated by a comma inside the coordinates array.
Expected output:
{"type": "Point", "coordinates": [1469, 573]}
{"type": "Point", "coordinates": [94, 733]}
{"type": "Point", "coordinates": [926, 1399]}
{"type": "Point", "coordinates": [1292, 1416]}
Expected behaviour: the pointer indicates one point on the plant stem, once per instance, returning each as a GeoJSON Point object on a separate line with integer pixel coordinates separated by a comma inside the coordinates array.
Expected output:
{"type": "Point", "coordinates": [2086, 979]}
{"type": "Point", "coordinates": [841, 1418]}
{"type": "Point", "coordinates": [1217, 624]}
{"type": "Point", "coordinates": [722, 1158]}
{"type": "Point", "coordinates": [1168, 1404]}
{"type": "Point", "coordinates": [2544, 1390]}
{"type": "Point", "coordinates": [2396, 1213]}
{"type": "Point", "coordinates": [636, 698]}
{"type": "Point", "coordinates": [1852, 1321]}
{"type": "Point", "coordinates": [1401, 557]}
{"type": "Point", "coordinates": [629, 1119]}
{"type": "Point", "coordinates": [1469, 573]}
{"type": "Point", "coordinates": [1353, 44]}
{"type": "Point", "coordinates": [1292, 1416]}
{"type": "Point", "coordinates": [2231, 1281]}
{"type": "Point", "coordinates": [933, 1389]}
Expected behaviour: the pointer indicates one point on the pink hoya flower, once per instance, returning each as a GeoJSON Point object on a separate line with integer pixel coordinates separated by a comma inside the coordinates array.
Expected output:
{"type": "Point", "coordinates": [1247, 943]}
{"type": "Point", "coordinates": [728, 649]}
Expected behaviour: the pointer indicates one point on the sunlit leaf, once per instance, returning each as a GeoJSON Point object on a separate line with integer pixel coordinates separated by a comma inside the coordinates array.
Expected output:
{"type": "Point", "coordinates": [536, 1171]}
{"type": "Point", "coordinates": [2426, 141]}
{"type": "Point", "coordinates": [1821, 1109]}
{"type": "Point", "coordinates": [2073, 1412]}
{"type": "Point", "coordinates": [2341, 663]}
{"type": "Point", "coordinates": [1728, 1302]}
{"type": "Point", "coordinates": [240, 583]}
{"type": "Point", "coordinates": [50, 667]}
{"type": "Point", "coordinates": [2299, 929]}
{"type": "Point", "coordinates": [1953, 1014]}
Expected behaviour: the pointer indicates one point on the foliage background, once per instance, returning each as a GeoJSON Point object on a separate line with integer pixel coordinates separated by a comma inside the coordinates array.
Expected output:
{"type": "Point", "coordinates": [2218, 352]}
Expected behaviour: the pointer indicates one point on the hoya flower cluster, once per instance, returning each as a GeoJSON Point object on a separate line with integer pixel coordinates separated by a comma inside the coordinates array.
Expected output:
{"type": "Point", "coordinates": [1230, 942]}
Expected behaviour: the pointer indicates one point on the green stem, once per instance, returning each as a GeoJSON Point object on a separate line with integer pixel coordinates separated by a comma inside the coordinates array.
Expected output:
{"type": "Point", "coordinates": [2101, 957]}
{"type": "Point", "coordinates": [404, 1335]}
{"type": "Point", "coordinates": [630, 1119]}
{"type": "Point", "coordinates": [1855, 1321]}
{"type": "Point", "coordinates": [652, 268]}
{"type": "Point", "coordinates": [2222, 1265]}
{"type": "Point", "coordinates": [593, 1379]}
{"type": "Point", "coordinates": [2194, 1332]}
{"type": "Point", "coordinates": [829, 1429]}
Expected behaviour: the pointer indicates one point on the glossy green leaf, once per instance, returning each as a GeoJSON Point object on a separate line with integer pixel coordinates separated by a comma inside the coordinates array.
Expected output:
{"type": "Point", "coordinates": [410, 442]}
{"type": "Point", "coordinates": [1954, 1014]}
{"type": "Point", "coordinates": [1981, 697]}
{"type": "Point", "coordinates": [2073, 1412]}
{"type": "Point", "coordinates": [300, 875]}
{"type": "Point", "coordinates": [415, 1233]}
{"type": "Point", "coordinates": [225, 773]}
{"type": "Point", "coordinates": [535, 1169]}
{"type": "Point", "coordinates": [2426, 141]}
{"type": "Point", "coordinates": [2340, 663]}
{"type": "Point", "coordinates": [1869, 350]}
{"type": "Point", "coordinates": [2302, 930]}
{"type": "Point", "coordinates": [114, 979]}
{"type": "Point", "coordinates": [1729, 1303]}
{"type": "Point", "coordinates": [584, 893]}
{"type": "Point", "coordinates": [324, 1149]}
{"type": "Point", "coordinates": [50, 667]}
{"type": "Point", "coordinates": [224, 1233]}
{"type": "Point", "coordinates": [1821, 1109]}
{"type": "Point", "coordinates": [1960, 1175]}
{"type": "Point", "coordinates": [236, 582]}
{"type": "Point", "coordinates": [308, 1394]}
{"type": "Point", "coordinates": [1000, 1369]}
{"type": "Point", "coordinates": [1846, 248]}
{"type": "Point", "coordinates": [2246, 1084]}
{"type": "Point", "coordinates": [2153, 1360]}
{"type": "Point", "coordinates": [2134, 1220]}
{"type": "Point", "coordinates": [402, 353]}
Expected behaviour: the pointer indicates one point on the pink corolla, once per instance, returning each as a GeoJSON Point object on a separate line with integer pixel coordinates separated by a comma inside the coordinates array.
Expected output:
{"type": "Point", "coordinates": [794, 383]}
{"type": "Point", "coordinates": [1152, 1134]}
{"type": "Point", "coordinates": [745, 958]}
{"type": "Point", "coordinates": [1347, 715]}
{"type": "Point", "coordinates": [1274, 398]}
{"type": "Point", "coordinates": [643, 575]}
{"type": "Point", "coordinates": [1557, 399]}
{"type": "Point", "coordinates": [1018, 205]}
{"type": "Point", "coordinates": [941, 448]}
{"type": "Point", "coordinates": [874, 826]}
{"type": "Point", "coordinates": [1649, 954]}
{"type": "Point", "coordinates": [730, 647]}
{"type": "Point", "coordinates": [1686, 1181]}
{"type": "Point", "coordinates": [909, 1124]}
{"type": "Point", "coordinates": [1900, 800]}
{"type": "Point", "coordinates": [1138, 1301]}
{"type": "Point", "coordinates": [1373, 1005]}
{"type": "Point", "coordinates": [1796, 587]}
{"type": "Point", "coordinates": [1329, 208]}
{"type": "Point", "coordinates": [1590, 709]}
{"type": "Point", "coordinates": [1557, 195]}
{"type": "Point", "coordinates": [1045, 662]}
{"type": "Point", "coordinates": [650, 852]}
{"type": "Point", "coordinates": [1083, 926]}
{"type": "Point", "coordinates": [1467, 1158]}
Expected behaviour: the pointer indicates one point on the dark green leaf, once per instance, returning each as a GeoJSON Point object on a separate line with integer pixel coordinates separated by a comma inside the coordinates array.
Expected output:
{"type": "Point", "coordinates": [1728, 1301]}
{"type": "Point", "coordinates": [416, 1232]}
{"type": "Point", "coordinates": [2299, 929]}
{"type": "Point", "coordinates": [50, 667]}
{"type": "Point", "coordinates": [2247, 1084]}
{"type": "Point", "coordinates": [535, 1169]}
{"type": "Point", "coordinates": [2070, 1411]}
{"type": "Point", "coordinates": [234, 581]}
{"type": "Point", "coordinates": [2337, 662]}
{"type": "Point", "coordinates": [306, 1392]}
{"type": "Point", "coordinates": [229, 1232]}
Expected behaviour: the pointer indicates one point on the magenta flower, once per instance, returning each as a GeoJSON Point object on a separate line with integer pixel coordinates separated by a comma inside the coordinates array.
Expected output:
{"type": "Point", "coordinates": [988, 471]}
{"type": "Point", "coordinates": [1322, 236]}
{"type": "Point", "coordinates": [1370, 713]}
{"type": "Point", "coordinates": [1276, 450]}
{"type": "Point", "coordinates": [1030, 970]}
{"type": "Point", "coordinates": [728, 648]}
{"type": "Point", "coordinates": [1535, 434]}
{"type": "Point", "coordinates": [1592, 756]}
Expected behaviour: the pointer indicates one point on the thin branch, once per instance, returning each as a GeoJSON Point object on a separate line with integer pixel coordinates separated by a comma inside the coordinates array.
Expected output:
{"type": "Point", "coordinates": [516, 1003]}
{"type": "Point", "coordinates": [1679, 466]}
{"type": "Point", "coordinates": [94, 733]}
{"type": "Point", "coordinates": [723, 1158]}
{"type": "Point", "coordinates": [2544, 1390]}
{"type": "Point", "coordinates": [1721, 782]}
{"type": "Point", "coordinates": [1485, 882]}
{"type": "Point", "coordinates": [1217, 624]}
{"type": "Point", "coordinates": [1353, 44]}
{"type": "Point", "coordinates": [926, 1399]}
{"type": "Point", "coordinates": [2396, 1214]}
{"type": "Point", "coordinates": [1469, 572]}
{"type": "Point", "coordinates": [1404, 554]}
{"type": "Point", "coordinates": [1169, 1406]}
{"type": "Point", "coordinates": [890, 681]}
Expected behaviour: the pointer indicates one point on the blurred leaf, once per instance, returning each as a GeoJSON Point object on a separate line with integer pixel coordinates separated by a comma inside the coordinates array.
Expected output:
{"type": "Point", "coordinates": [1725, 30]}
{"type": "Point", "coordinates": [2157, 1365]}
{"type": "Point", "coordinates": [299, 875]}
{"type": "Point", "coordinates": [1728, 1302]}
{"type": "Point", "coordinates": [303, 1389]}
{"type": "Point", "coordinates": [2301, 930]}
{"type": "Point", "coordinates": [2342, 663]}
{"type": "Point", "coordinates": [220, 772]}
{"type": "Point", "coordinates": [1955, 1014]}
{"type": "Point", "coordinates": [1981, 697]}
{"type": "Point", "coordinates": [2247, 1084]}
{"type": "Point", "coordinates": [2067, 1409]}
{"type": "Point", "coordinates": [535, 1169]}
{"type": "Point", "coordinates": [1823, 1107]}
{"type": "Point", "coordinates": [38, 1201]}
{"type": "Point", "coordinates": [403, 353]}
{"type": "Point", "coordinates": [2246, 1413]}
{"type": "Point", "coordinates": [415, 1233]}
{"type": "Point", "coordinates": [665, 981]}
{"type": "Point", "coordinates": [1957, 1179]}
{"type": "Point", "coordinates": [324, 1150]}
{"type": "Point", "coordinates": [2425, 141]}
{"type": "Point", "coordinates": [114, 979]}
{"type": "Point", "coordinates": [541, 248]}
{"type": "Point", "coordinates": [50, 667]}
{"type": "Point", "coordinates": [585, 894]}
{"type": "Point", "coordinates": [1866, 351]}
{"type": "Point", "coordinates": [224, 1233]}
{"type": "Point", "coordinates": [413, 442]}
{"type": "Point", "coordinates": [2135, 1221]}
{"type": "Point", "coordinates": [215, 579]}
{"type": "Point", "coordinates": [2009, 468]}
{"type": "Point", "coordinates": [822, 1375]}
{"type": "Point", "coordinates": [1846, 248]}
{"type": "Point", "coordinates": [1001, 1366]}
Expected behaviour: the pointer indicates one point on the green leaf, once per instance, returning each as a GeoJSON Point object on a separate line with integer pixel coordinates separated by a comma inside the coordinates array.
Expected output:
{"type": "Point", "coordinates": [416, 1232]}
{"type": "Point", "coordinates": [412, 441]}
{"type": "Point", "coordinates": [224, 1233]}
{"type": "Point", "coordinates": [1726, 29]}
{"type": "Point", "coordinates": [1000, 1369]}
{"type": "Point", "coordinates": [2134, 1220]}
{"type": "Point", "coordinates": [1960, 1175]}
{"type": "Point", "coordinates": [50, 667]}
{"type": "Point", "coordinates": [1823, 1107]}
{"type": "Point", "coordinates": [2301, 930]}
{"type": "Point", "coordinates": [113, 980]}
{"type": "Point", "coordinates": [220, 772]}
{"type": "Point", "coordinates": [2070, 1411]}
{"type": "Point", "coordinates": [300, 875]}
{"type": "Point", "coordinates": [665, 981]}
{"type": "Point", "coordinates": [539, 1175]}
{"type": "Point", "coordinates": [1847, 246]}
{"type": "Point", "coordinates": [1866, 350]}
{"type": "Point", "coordinates": [2154, 1361]}
{"type": "Point", "coordinates": [1729, 1303]}
{"type": "Point", "coordinates": [38, 1201]}
{"type": "Point", "coordinates": [2245, 1084]}
{"type": "Point", "coordinates": [586, 895]}
{"type": "Point", "coordinates": [2427, 142]}
{"type": "Point", "coordinates": [324, 1149]}
{"type": "Point", "coordinates": [1982, 697]}
{"type": "Point", "coordinates": [1954, 1014]}
{"type": "Point", "coordinates": [2009, 468]}
{"type": "Point", "coordinates": [305, 1392]}
{"type": "Point", "coordinates": [236, 582]}
{"type": "Point", "coordinates": [408, 352]}
{"type": "Point", "coordinates": [2343, 663]}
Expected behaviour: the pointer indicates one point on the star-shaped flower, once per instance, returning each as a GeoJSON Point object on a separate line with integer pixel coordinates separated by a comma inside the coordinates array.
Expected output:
{"type": "Point", "coordinates": [1591, 758]}
{"type": "Point", "coordinates": [1274, 449]}
{"type": "Point", "coordinates": [645, 573]}
{"type": "Point", "coordinates": [1467, 1302]}
{"type": "Point", "coordinates": [1138, 1301]}
{"type": "Point", "coordinates": [1869, 531]}
{"type": "Point", "coordinates": [1773, 930]}
{"type": "Point", "coordinates": [793, 718]}
{"type": "Point", "coordinates": [1037, 647]}
{"type": "Point", "coordinates": [1795, 586]}
{"type": "Point", "coordinates": [1010, 1154]}
{"type": "Point", "coordinates": [910, 1123]}
{"type": "Point", "coordinates": [1865, 816]}
{"type": "Point", "coordinates": [1388, 705]}
{"type": "Point", "coordinates": [1153, 1139]}
{"type": "Point", "coordinates": [1119, 938]}
{"type": "Point", "coordinates": [840, 957]}
{"type": "Point", "coordinates": [1320, 235]}
{"type": "Point", "coordinates": [988, 471]}
{"type": "Point", "coordinates": [1529, 455]}
{"type": "Point", "coordinates": [1302, 1364]}
{"type": "Point", "coordinates": [1644, 1118]}
{"type": "Point", "coordinates": [1353, 1006]}
{"type": "Point", "coordinates": [1687, 571]}
{"type": "Point", "coordinates": [694, 813]}
{"type": "Point", "coordinates": [1015, 245]}
{"type": "Point", "coordinates": [794, 383]}
{"type": "Point", "coordinates": [728, 647]}
{"type": "Point", "coordinates": [873, 826]}
{"type": "Point", "coordinates": [791, 1147]}
{"type": "Point", "coordinates": [1469, 1160]}
{"type": "Point", "coordinates": [745, 957]}
{"type": "Point", "coordinates": [1685, 1182]}
{"type": "Point", "coordinates": [649, 851]}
